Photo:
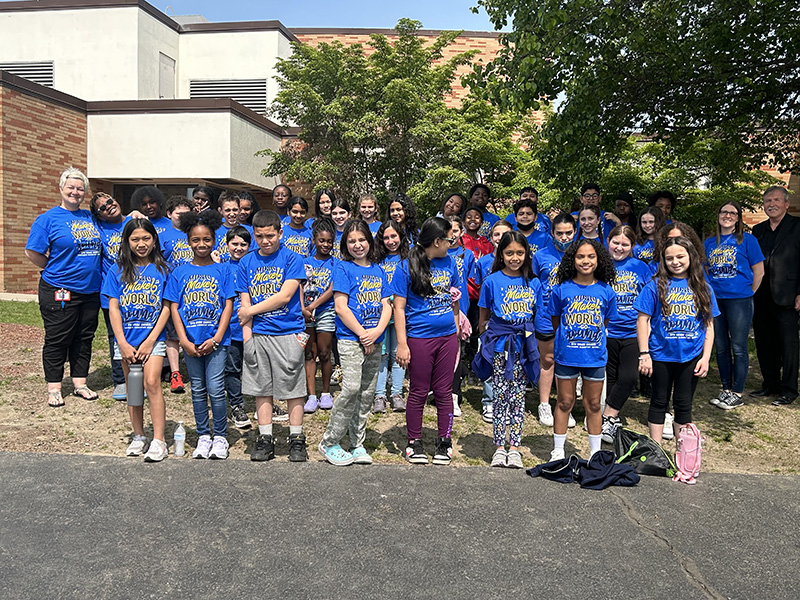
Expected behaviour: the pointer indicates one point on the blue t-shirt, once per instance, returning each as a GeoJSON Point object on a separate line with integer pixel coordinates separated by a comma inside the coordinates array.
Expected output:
{"type": "Point", "coordinates": [489, 219]}
{"type": "Point", "coordinates": [632, 276]}
{"type": "Point", "coordinates": [431, 316]}
{"type": "Point", "coordinates": [730, 265]}
{"type": "Point", "coordinates": [582, 311]}
{"type": "Point", "coordinates": [286, 220]}
{"type": "Point", "coordinates": [538, 241]}
{"type": "Point", "coordinates": [511, 299]}
{"type": "Point", "coordinates": [262, 277]}
{"type": "Point", "coordinates": [373, 227]}
{"type": "Point", "coordinates": [483, 268]}
{"type": "Point", "coordinates": [74, 248]}
{"type": "Point", "coordinates": [235, 328]}
{"type": "Point", "coordinates": [336, 251]}
{"type": "Point", "coordinates": [545, 267]}
{"type": "Point", "coordinates": [298, 240]}
{"type": "Point", "coordinates": [175, 247]}
{"type": "Point", "coordinates": [111, 236]}
{"type": "Point", "coordinates": [200, 293]}
{"type": "Point", "coordinates": [365, 288]}
{"type": "Point", "coordinates": [140, 302]}
{"type": "Point", "coordinates": [465, 265]}
{"type": "Point", "coordinates": [389, 266]}
{"type": "Point", "coordinates": [221, 244]}
{"type": "Point", "coordinates": [644, 252]}
{"type": "Point", "coordinates": [319, 275]}
{"type": "Point", "coordinates": [162, 224]}
{"type": "Point", "coordinates": [678, 337]}
{"type": "Point", "coordinates": [542, 223]}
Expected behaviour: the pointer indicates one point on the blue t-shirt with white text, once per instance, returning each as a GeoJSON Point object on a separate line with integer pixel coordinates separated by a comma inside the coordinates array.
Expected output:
{"type": "Point", "coordinates": [730, 265]}
{"type": "Point", "coordinates": [298, 241]}
{"type": "Point", "coordinates": [140, 302]}
{"type": "Point", "coordinates": [632, 276]}
{"type": "Point", "coordinates": [511, 299]}
{"type": "Point", "coordinates": [465, 265]}
{"type": "Point", "coordinates": [428, 316]}
{"type": "Point", "coordinates": [200, 293]}
{"type": "Point", "coordinates": [545, 266]}
{"type": "Point", "coordinates": [365, 288]}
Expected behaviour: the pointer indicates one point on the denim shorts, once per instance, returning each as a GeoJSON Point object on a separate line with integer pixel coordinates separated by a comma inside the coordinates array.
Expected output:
{"type": "Point", "coordinates": [159, 349]}
{"type": "Point", "coordinates": [588, 373]}
{"type": "Point", "coordinates": [324, 321]}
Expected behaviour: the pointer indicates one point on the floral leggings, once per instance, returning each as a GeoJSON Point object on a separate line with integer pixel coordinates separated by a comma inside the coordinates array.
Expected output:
{"type": "Point", "coordinates": [508, 405]}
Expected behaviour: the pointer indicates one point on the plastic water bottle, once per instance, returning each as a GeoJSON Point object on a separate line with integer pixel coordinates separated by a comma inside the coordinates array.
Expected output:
{"type": "Point", "coordinates": [180, 440]}
{"type": "Point", "coordinates": [136, 384]}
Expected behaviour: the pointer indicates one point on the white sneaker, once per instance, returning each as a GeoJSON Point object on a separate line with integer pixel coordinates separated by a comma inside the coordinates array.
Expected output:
{"type": "Point", "coordinates": [456, 407]}
{"type": "Point", "coordinates": [571, 423]}
{"type": "Point", "coordinates": [136, 447]}
{"type": "Point", "coordinates": [514, 460]}
{"type": "Point", "coordinates": [545, 414]}
{"type": "Point", "coordinates": [219, 448]}
{"type": "Point", "coordinates": [499, 457]}
{"type": "Point", "coordinates": [668, 433]}
{"type": "Point", "coordinates": [203, 447]}
{"type": "Point", "coordinates": [157, 452]}
{"type": "Point", "coordinates": [557, 454]}
{"type": "Point", "coordinates": [487, 413]}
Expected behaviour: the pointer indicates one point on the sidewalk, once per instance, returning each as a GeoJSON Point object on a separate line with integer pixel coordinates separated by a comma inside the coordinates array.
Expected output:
{"type": "Point", "coordinates": [19, 297]}
{"type": "Point", "coordinates": [102, 527]}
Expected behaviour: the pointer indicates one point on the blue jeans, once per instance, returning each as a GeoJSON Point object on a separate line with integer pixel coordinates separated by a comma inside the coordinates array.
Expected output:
{"type": "Point", "coordinates": [731, 329]}
{"type": "Point", "coordinates": [207, 380]}
{"type": "Point", "coordinates": [398, 372]}
{"type": "Point", "coordinates": [233, 373]}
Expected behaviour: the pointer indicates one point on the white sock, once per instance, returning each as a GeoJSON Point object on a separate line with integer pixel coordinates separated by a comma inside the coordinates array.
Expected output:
{"type": "Point", "coordinates": [594, 444]}
{"type": "Point", "coordinates": [140, 437]}
{"type": "Point", "coordinates": [312, 397]}
{"type": "Point", "coordinates": [559, 439]}
{"type": "Point", "coordinates": [265, 429]}
{"type": "Point", "coordinates": [295, 429]}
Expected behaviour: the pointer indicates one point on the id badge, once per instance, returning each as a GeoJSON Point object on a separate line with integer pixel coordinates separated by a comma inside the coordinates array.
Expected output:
{"type": "Point", "coordinates": [63, 295]}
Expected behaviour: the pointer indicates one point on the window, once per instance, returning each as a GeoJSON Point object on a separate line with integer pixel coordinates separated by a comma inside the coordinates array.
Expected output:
{"type": "Point", "coordinates": [251, 93]}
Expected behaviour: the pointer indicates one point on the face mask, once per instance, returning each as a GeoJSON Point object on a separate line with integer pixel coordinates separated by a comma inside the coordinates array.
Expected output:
{"type": "Point", "coordinates": [562, 246]}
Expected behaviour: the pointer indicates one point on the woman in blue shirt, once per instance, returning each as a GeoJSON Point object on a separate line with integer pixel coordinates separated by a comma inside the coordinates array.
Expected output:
{"type": "Point", "coordinates": [64, 242]}
{"type": "Point", "coordinates": [735, 267]}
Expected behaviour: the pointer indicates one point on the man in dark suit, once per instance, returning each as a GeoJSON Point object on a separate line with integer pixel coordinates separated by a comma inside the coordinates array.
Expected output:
{"type": "Point", "coordinates": [777, 301]}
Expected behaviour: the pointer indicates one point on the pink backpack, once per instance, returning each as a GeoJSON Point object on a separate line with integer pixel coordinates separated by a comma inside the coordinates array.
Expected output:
{"type": "Point", "coordinates": [688, 454]}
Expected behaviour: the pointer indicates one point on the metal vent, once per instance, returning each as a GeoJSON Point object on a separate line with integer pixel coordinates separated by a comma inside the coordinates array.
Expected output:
{"type": "Point", "coordinates": [42, 73]}
{"type": "Point", "coordinates": [251, 93]}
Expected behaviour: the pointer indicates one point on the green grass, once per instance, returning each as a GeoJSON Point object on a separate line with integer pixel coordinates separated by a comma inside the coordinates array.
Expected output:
{"type": "Point", "coordinates": [21, 313]}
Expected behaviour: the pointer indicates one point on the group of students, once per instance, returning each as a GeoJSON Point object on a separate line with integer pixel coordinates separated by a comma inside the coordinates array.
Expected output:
{"type": "Point", "coordinates": [258, 305]}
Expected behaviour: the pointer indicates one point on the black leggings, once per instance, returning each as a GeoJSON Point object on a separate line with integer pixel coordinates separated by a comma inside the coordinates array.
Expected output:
{"type": "Point", "coordinates": [68, 332]}
{"type": "Point", "coordinates": [678, 378]}
{"type": "Point", "coordinates": [622, 370]}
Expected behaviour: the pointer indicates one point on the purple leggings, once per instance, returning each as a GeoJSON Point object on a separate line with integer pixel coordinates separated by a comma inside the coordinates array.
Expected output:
{"type": "Point", "coordinates": [431, 368]}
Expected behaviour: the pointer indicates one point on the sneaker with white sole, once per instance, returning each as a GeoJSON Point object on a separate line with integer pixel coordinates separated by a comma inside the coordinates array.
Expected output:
{"type": "Point", "coordinates": [278, 414]}
{"type": "Point", "coordinates": [203, 447]}
{"type": "Point", "coordinates": [157, 452]}
{"type": "Point", "coordinates": [361, 456]}
{"type": "Point", "coordinates": [240, 417]}
{"type": "Point", "coordinates": [415, 453]}
{"type": "Point", "coordinates": [311, 405]}
{"type": "Point", "coordinates": [669, 432]}
{"type": "Point", "coordinates": [444, 451]}
{"type": "Point", "coordinates": [721, 398]}
{"type": "Point", "coordinates": [733, 400]}
{"type": "Point", "coordinates": [557, 454]}
{"type": "Point", "coordinates": [499, 457]}
{"type": "Point", "coordinates": [545, 414]}
{"type": "Point", "coordinates": [120, 392]}
{"type": "Point", "coordinates": [487, 412]}
{"type": "Point", "coordinates": [336, 455]}
{"type": "Point", "coordinates": [571, 422]}
{"type": "Point", "coordinates": [136, 447]}
{"type": "Point", "coordinates": [219, 448]}
{"type": "Point", "coordinates": [610, 426]}
{"type": "Point", "coordinates": [456, 407]}
{"type": "Point", "coordinates": [514, 460]}
{"type": "Point", "coordinates": [326, 402]}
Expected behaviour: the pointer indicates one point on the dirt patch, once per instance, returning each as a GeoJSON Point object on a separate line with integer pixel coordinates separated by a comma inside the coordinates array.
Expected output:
{"type": "Point", "coordinates": [757, 438]}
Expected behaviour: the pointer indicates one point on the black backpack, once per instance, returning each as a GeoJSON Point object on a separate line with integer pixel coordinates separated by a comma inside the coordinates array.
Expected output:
{"type": "Point", "coordinates": [642, 454]}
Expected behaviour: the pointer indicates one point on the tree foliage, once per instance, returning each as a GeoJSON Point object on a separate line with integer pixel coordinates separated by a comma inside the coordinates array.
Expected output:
{"type": "Point", "coordinates": [681, 71]}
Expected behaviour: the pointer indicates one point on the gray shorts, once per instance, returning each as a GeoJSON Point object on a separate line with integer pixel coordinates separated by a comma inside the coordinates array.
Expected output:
{"type": "Point", "coordinates": [274, 365]}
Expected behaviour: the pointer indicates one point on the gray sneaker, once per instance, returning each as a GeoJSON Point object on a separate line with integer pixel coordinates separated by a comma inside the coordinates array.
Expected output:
{"type": "Point", "coordinates": [398, 404]}
{"type": "Point", "coordinates": [120, 392]}
{"type": "Point", "coordinates": [732, 401]}
{"type": "Point", "coordinates": [514, 460]}
{"type": "Point", "coordinates": [379, 405]}
{"type": "Point", "coordinates": [499, 457]}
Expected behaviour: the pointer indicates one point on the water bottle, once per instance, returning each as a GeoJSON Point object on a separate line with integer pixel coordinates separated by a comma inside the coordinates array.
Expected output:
{"type": "Point", "coordinates": [136, 385]}
{"type": "Point", "coordinates": [180, 440]}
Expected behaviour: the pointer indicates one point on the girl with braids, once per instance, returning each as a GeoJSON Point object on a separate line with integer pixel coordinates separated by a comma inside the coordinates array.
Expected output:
{"type": "Point", "coordinates": [426, 323]}
{"type": "Point", "coordinates": [402, 210]}
{"type": "Point", "coordinates": [138, 320]}
{"type": "Point", "coordinates": [675, 332]}
{"type": "Point", "coordinates": [650, 223]}
{"type": "Point", "coordinates": [581, 305]}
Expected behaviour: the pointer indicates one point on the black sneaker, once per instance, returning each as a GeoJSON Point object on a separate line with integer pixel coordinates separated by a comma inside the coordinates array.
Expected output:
{"type": "Point", "coordinates": [731, 401]}
{"type": "Point", "coordinates": [297, 448]}
{"type": "Point", "coordinates": [239, 417]}
{"type": "Point", "coordinates": [278, 414]}
{"type": "Point", "coordinates": [444, 451]}
{"type": "Point", "coordinates": [264, 450]}
{"type": "Point", "coordinates": [415, 453]}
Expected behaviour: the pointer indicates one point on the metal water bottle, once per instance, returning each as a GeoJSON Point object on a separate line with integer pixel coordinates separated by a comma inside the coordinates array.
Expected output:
{"type": "Point", "coordinates": [136, 384]}
{"type": "Point", "coordinates": [180, 440]}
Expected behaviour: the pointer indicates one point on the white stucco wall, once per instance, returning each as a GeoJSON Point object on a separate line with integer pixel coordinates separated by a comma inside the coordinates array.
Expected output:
{"type": "Point", "coordinates": [154, 38]}
{"type": "Point", "coordinates": [246, 140]}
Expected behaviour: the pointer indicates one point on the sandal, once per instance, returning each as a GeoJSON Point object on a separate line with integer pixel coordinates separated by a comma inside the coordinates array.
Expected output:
{"type": "Point", "coordinates": [85, 393]}
{"type": "Point", "coordinates": [54, 399]}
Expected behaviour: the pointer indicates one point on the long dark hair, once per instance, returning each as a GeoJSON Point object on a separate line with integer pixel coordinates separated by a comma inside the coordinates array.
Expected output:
{"type": "Point", "coordinates": [605, 266]}
{"type": "Point", "coordinates": [685, 231]}
{"type": "Point", "coordinates": [658, 215]}
{"type": "Point", "coordinates": [695, 278]}
{"type": "Point", "coordinates": [410, 211]}
{"type": "Point", "coordinates": [318, 195]}
{"type": "Point", "coordinates": [381, 251]}
{"type": "Point", "coordinates": [508, 238]}
{"type": "Point", "coordinates": [125, 259]}
{"type": "Point", "coordinates": [419, 265]}
{"type": "Point", "coordinates": [360, 226]}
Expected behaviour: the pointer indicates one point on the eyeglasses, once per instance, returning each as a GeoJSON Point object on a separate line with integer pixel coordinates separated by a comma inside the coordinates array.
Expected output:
{"type": "Point", "coordinates": [449, 240]}
{"type": "Point", "coordinates": [591, 196]}
{"type": "Point", "coordinates": [729, 213]}
{"type": "Point", "coordinates": [104, 207]}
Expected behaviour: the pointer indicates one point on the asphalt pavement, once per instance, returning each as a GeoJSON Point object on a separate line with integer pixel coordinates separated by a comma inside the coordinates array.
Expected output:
{"type": "Point", "coordinates": [105, 527]}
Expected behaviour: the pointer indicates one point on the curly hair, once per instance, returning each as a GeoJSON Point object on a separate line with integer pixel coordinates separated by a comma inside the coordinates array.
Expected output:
{"type": "Point", "coordinates": [695, 278]}
{"type": "Point", "coordinates": [410, 212]}
{"type": "Point", "coordinates": [604, 272]}
{"type": "Point", "coordinates": [208, 218]}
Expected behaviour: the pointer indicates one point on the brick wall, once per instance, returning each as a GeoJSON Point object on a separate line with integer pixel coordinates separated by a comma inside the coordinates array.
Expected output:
{"type": "Point", "coordinates": [38, 140]}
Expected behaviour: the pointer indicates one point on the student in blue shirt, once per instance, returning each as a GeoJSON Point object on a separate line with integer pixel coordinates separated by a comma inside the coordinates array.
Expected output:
{"type": "Point", "coordinates": [135, 292]}
{"type": "Point", "coordinates": [281, 194]}
{"type": "Point", "coordinates": [367, 209]}
{"type": "Point", "coordinates": [507, 305]}
{"type": "Point", "coordinates": [591, 225]}
{"type": "Point", "coordinates": [247, 208]}
{"type": "Point", "coordinates": [581, 306]}
{"type": "Point", "coordinates": [479, 197]}
{"type": "Point", "coordinates": [525, 213]}
{"type": "Point", "coordinates": [454, 205]}
{"type": "Point", "coordinates": [391, 246]}
{"type": "Point", "coordinates": [274, 334]}
{"type": "Point", "coordinates": [591, 195]}
{"type": "Point", "coordinates": [545, 266]}
{"type": "Point", "coordinates": [426, 321]}
{"type": "Point", "coordinates": [151, 203]}
{"type": "Point", "coordinates": [541, 222]}
{"type": "Point", "coordinates": [650, 223]}
{"type": "Point", "coordinates": [735, 267]}
{"type": "Point", "coordinates": [201, 295]}
{"type": "Point", "coordinates": [403, 211]}
{"type": "Point", "coordinates": [666, 201]}
{"type": "Point", "coordinates": [362, 305]}
{"type": "Point", "coordinates": [296, 234]}
{"type": "Point", "coordinates": [622, 370]}
{"type": "Point", "coordinates": [229, 209]}
{"type": "Point", "coordinates": [64, 242]}
{"type": "Point", "coordinates": [465, 265]}
{"type": "Point", "coordinates": [675, 332]}
{"type": "Point", "coordinates": [323, 200]}
{"type": "Point", "coordinates": [340, 214]}
{"type": "Point", "coordinates": [203, 198]}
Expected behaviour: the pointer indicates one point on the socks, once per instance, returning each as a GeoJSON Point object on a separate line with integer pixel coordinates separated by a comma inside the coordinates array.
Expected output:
{"type": "Point", "coordinates": [594, 444]}
{"type": "Point", "coordinates": [265, 429]}
{"type": "Point", "coordinates": [558, 441]}
{"type": "Point", "coordinates": [295, 429]}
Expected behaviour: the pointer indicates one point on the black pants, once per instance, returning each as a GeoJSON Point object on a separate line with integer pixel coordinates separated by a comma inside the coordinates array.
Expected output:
{"type": "Point", "coordinates": [68, 332]}
{"type": "Point", "coordinates": [117, 374]}
{"type": "Point", "coordinates": [680, 380]}
{"type": "Point", "coordinates": [622, 370]}
{"type": "Point", "coordinates": [775, 329]}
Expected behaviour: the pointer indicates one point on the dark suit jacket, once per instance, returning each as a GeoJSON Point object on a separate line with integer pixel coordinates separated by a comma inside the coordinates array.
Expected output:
{"type": "Point", "coordinates": [783, 263]}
